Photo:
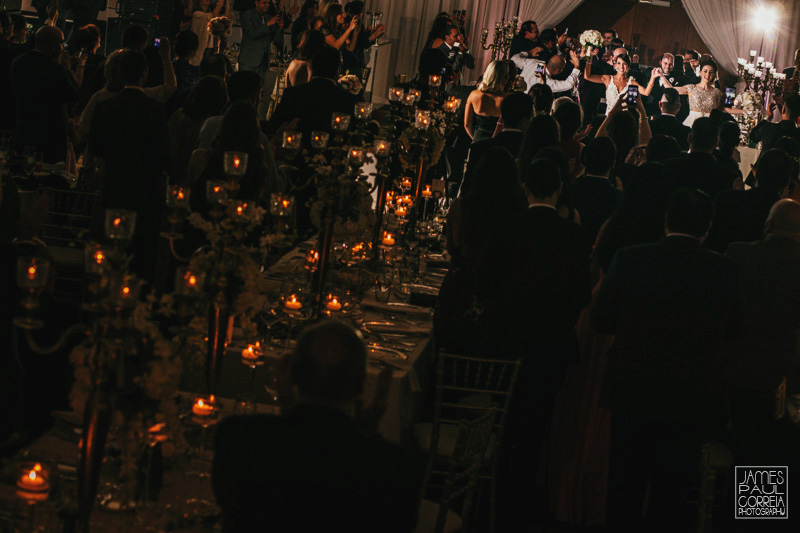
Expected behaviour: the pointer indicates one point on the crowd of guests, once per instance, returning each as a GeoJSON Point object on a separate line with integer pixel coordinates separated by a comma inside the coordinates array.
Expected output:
{"type": "Point", "coordinates": [647, 284]}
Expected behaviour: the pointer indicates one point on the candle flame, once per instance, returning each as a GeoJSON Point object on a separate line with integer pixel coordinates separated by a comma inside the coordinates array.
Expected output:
{"type": "Point", "coordinates": [217, 188]}
{"type": "Point", "coordinates": [211, 399]}
{"type": "Point", "coordinates": [31, 272]}
{"type": "Point", "coordinates": [99, 257]}
{"type": "Point", "coordinates": [117, 221]}
{"type": "Point", "coordinates": [200, 403]}
{"type": "Point", "coordinates": [286, 204]}
{"type": "Point", "coordinates": [126, 290]}
{"type": "Point", "coordinates": [37, 467]}
{"type": "Point", "coordinates": [180, 195]}
{"type": "Point", "coordinates": [192, 280]}
{"type": "Point", "coordinates": [236, 162]}
{"type": "Point", "coordinates": [32, 475]}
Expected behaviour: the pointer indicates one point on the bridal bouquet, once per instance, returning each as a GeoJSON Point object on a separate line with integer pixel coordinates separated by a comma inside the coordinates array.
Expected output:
{"type": "Point", "coordinates": [220, 26]}
{"type": "Point", "coordinates": [591, 38]}
{"type": "Point", "coordinates": [351, 83]}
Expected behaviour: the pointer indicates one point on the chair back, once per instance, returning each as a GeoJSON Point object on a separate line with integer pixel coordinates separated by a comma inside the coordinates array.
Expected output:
{"type": "Point", "coordinates": [468, 386]}
{"type": "Point", "coordinates": [470, 452]}
{"type": "Point", "coordinates": [70, 216]}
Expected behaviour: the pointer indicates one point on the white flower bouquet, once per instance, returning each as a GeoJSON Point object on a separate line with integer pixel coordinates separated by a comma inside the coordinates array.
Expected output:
{"type": "Point", "coordinates": [591, 38]}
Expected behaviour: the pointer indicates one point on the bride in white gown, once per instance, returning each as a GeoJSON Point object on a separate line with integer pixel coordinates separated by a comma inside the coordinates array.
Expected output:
{"type": "Point", "coordinates": [617, 84]}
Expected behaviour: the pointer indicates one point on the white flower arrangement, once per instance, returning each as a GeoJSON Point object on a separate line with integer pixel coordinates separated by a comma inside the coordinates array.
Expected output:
{"type": "Point", "coordinates": [591, 38]}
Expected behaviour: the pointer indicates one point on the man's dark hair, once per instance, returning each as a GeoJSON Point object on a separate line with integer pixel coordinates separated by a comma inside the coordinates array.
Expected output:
{"type": "Point", "coordinates": [542, 96]}
{"type": "Point", "coordinates": [693, 53]}
{"type": "Point", "coordinates": [671, 101]}
{"type": "Point", "coordinates": [515, 109]}
{"type": "Point", "coordinates": [18, 21]}
{"type": "Point", "coordinates": [87, 37]}
{"type": "Point", "coordinates": [329, 363]}
{"type": "Point", "coordinates": [354, 8]}
{"type": "Point", "coordinates": [132, 67]}
{"type": "Point", "coordinates": [729, 135]}
{"type": "Point", "coordinates": [310, 42]}
{"type": "Point", "coordinates": [548, 36]}
{"type": "Point", "coordinates": [526, 27]}
{"type": "Point", "coordinates": [599, 155]}
{"type": "Point", "coordinates": [569, 116]}
{"type": "Point", "coordinates": [689, 211]}
{"type": "Point", "coordinates": [704, 135]}
{"type": "Point", "coordinates": [617, 43]}
{"type": "Point", "coordinates": [661, 147]}
{"type": "Point", "coordinates": [215, 65]}
{"type": "Point", "coordinates": [186, 43]}
{"type": "Point", "coordinates": [325, 63]}
{"type": "Point", "coordinates": [206, 99]}
{"type": "Point", "coordinates": [542, 178]}
{"type": "Point", "coordinates": [792, 103]}
{"type": "Point", "coordinates": [774, 170]}
{"type": "Point", "coordinates": [244, 85]}
{"type": "Point", "coordinates": [134, 37]}
{"type": "Point", "coordinates": [613, 33]}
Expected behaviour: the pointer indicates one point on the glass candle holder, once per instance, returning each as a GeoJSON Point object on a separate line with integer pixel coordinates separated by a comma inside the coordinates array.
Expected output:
{"type": "Point", "coordinates": [423, 120]}
{"type": "Point", "coordinates": [356, 155]}
{"type": "Point", "coordinates": [434, 80]}
{"type": "Point", "coordinates": [281, 205]}
{"type": "Point", "coordinates": [216, 193]}
{"type": "Point", "coordinates": [363, 110]}
{"type": "Point", "coordinates": [240, 210]}
{"type": "Point", "coordinates": [319, 139]}
{"type": "Point", "coordinates": [396, 94]}
{"type": "Point", "coordinates": [126, 291]}
{"type": "Point", "coordinates": [382, 148]}
{"type": "Point", "coordinates": [120, 224]}
{"type": "Point", "coordinates": [416, 93]}
{"type": "Point", "coordinates": [408, 99]}
{"type": "Point", "coordinates": [340, 122]}
{"type": "Point", "coordinates": [291, 141]}
{"type": "Point", "coordinates": [32, 272]}
{"type": "Point", "coordinates": [234, 163]}
{"type": "Point", "coordinates": [177, 197]}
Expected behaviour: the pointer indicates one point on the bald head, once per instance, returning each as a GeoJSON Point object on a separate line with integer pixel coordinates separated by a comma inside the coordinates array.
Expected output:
{"type": "Point", "coordinates": [555, 65]}
{"type": "Point", "coordinates": [784, 220]}
{"type": "Point", "coordinates": [50, 41]}
{"type": "Point", "coordinates": [618, 52]}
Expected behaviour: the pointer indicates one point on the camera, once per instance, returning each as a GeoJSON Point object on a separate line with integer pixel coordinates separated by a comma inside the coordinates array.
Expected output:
{"type": "Point", "coordinates": [156, 42]}
{"type": "Point", "coordinates": [633, 95]}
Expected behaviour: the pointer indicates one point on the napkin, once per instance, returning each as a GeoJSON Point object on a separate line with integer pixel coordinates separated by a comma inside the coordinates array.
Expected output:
{"type": "Point", "coordinates": [403, 308]}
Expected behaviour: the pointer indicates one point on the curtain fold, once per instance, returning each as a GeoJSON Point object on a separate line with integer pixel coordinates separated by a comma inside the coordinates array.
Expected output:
{"type": "Point", "coordinates": [546, 13]}
{"type": "Point", "coordinates": [730, 31]}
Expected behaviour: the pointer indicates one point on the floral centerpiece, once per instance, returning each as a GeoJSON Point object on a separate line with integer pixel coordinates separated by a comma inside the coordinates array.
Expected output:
{"type": "Point", "coordinates": [428, 144]}
{"type": "Point", "coordinates": [591, 38]}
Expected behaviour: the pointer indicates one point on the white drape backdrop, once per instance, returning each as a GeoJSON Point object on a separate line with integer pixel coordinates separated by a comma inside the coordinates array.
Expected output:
{"type": "Point", "coordinates": [728, 28]}
{"type": "Point", "coordinates": [546, 14]}
{"type": "Point", "coordinates": [409, 21]}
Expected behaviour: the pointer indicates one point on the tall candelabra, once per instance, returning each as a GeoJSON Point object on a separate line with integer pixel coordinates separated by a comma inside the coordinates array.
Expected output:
{"type": "Point", "coordinates": [759, 75]}
{"type": "Point", "coordinates": [503, 34]}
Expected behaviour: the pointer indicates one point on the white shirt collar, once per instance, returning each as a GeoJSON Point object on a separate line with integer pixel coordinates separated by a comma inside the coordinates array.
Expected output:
{"type": "Point", "coordinates": [667, 114]}
{"type": "Point", "coordinates": [536, 204]}
{"type": "Point", "coordinates": [676, 234]}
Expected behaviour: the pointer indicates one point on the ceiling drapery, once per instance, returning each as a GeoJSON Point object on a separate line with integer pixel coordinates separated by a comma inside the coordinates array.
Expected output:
{"type": "Point", "coordinates": [546, 14]}
{"type": "Point", "coordinates": [730, 31]}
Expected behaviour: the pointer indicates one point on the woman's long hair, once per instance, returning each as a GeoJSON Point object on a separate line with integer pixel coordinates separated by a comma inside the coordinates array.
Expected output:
{"type": "Point", "coordinates": [494, 77]}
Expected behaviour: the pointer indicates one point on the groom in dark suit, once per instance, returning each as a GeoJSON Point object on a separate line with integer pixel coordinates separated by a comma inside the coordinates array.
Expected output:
{"type": "Point", "coordinates": [670, 306]}
{"type": "Point", "coordinates": [314, 468]}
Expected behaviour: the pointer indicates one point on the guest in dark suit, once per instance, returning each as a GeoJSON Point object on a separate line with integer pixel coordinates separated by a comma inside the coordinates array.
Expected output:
{"type": "Point", "coordinates": [739, 216]}
{"type": "Point", "coordinates": [593, 195]}
{"type": "Point", "coordinates": [314, 468]}
{"type": "Point", "coordinates": [670, 306]}
{"type": "Point", "coordinates": [314, 102]}
{"type": "Point", "coordinates": [535, 281]}
{"type": "Point", "coordinates": [757, 364]}
{"type": "Point", "coordinates": [667, 66]}
{"type": "Point", "coordinates": [129, 132]}
{"type": "Point", "coordinates": [769, 132]}
{"type": "Point", "coordinates": [258, 31]}
{"type": "Point", "coordinates": [666, 123]}
{"type": "Point", "coordinates": [698, 168]}
{"type": "Point", "coordinates": [525, 40]}
{"type": "Point", "coordinates": [516, 111]}
{"type": "Point", "coordinates": [43, 89]}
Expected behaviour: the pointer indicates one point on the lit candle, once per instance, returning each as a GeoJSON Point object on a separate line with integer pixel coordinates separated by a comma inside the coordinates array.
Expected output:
{"type": "Point", "coordinates": [333, 304]}
{"type": "Point", "coordinates": [33, 479]}
{"type": "Point", "coordinates": [126, 292]}
{"type": "Point", "coordinates": [99, 257]}
{"type": "Point", "coordinates": [191, 280]}
{"type": "Point", "coordinates": [32, 272]}
{"type": "Point", "coordinates": [427, 192]}
{"type": "Point", "coordinates": [236, 162]}
{"type": "Point", "coordinates": [407, 199]}
{"type": "Point", "coordinates": [292, 303]}
{"type": "Point", "coordinates": [434, 80]}
{"type": "Point", "coordinates": [202, 407]}
{"type": "Point", "coordinates": [240, 209]}
{"type": "Point", "coordinates": [252, 352]}
{"type": "Point", "coordinates": [406, 183]}
{"type": "Point", "coordinates": [388, 239]}
{"type": "Point", "coordinates": [400, 211]}
{"type": "Point", "coordinates": [382, 148]}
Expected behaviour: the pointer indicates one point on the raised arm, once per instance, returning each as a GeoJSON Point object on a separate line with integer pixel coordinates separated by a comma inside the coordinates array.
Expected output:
{"type": "Point", "coordinates": [338, 43]}
{"type": "Point", "coordinates": [681, 89]}
{"type": "Point", "coordinates": [645, 90]}
{"type": "Point", "coordinates": [596, 78]}
{"type": "Point", "coordinates": [218, 8]}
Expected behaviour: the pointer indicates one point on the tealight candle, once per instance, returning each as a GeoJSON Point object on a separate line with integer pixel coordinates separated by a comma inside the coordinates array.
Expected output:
{"type": "Point", "coordinates": [427, 193]}
{"type": "Point", "coordinates": [319, 139]}
{"type": "Point", "coordinates": [32, 272]}
{"type": "Point", "coordinates": [395, 94]}
{"type": "Point", "coordinates": [33, 479]}
{"type": "Point", "coordinates": [434, 80]}
{"type": "Point", "coordinates": [234, 163]}
{"type": "Point", "coordinates": [333, 304]}
{"type": "Point", "coordinates": [252, 352]}
{"type": "Point", "coordinates": [241, 209]}
{"type": "Point", "coordinates": [406, 183]}
{"type": "Point", "coordinates": [340, 122]}
{"type": "Point", "coordinates": [363, 110]}
{"type": "Point", "coordinates": [382, 147]}
{"type": "Point", "coordinates": [203, 407]}
{"type": "Point", "coordinates": [388, 239]}
{"type": "Point", "coordinates": [407, 199]}
{"type": "Point", "coordinates": [400, 211]}
{"type": "Point", "coordinates": [356, 155]}
{"type": "Point", "coordinates": [408, 99]}
{"type": "Point", "coordinates": [292, 303]}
